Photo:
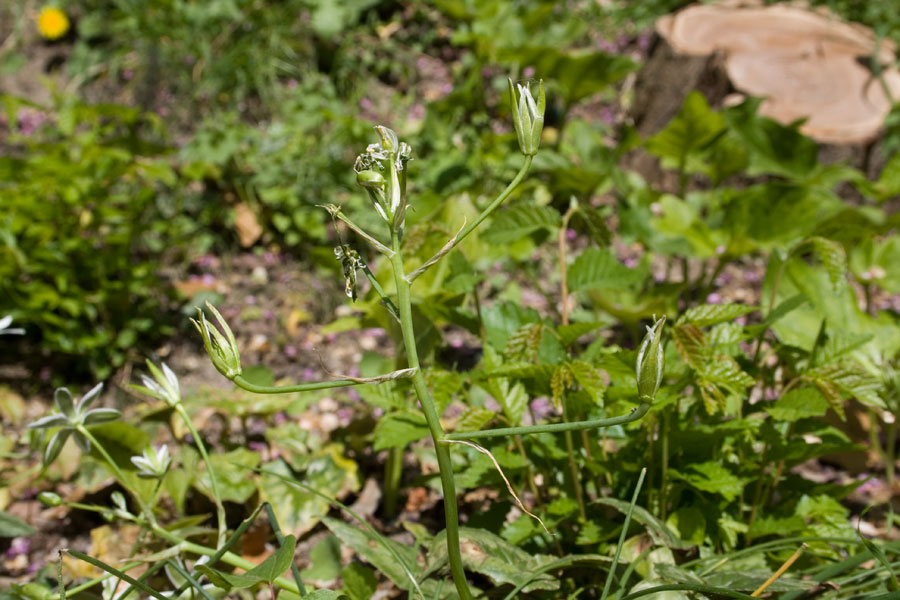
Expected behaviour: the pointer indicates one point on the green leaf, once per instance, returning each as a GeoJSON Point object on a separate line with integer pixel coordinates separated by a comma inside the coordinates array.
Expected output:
{"type": "Point", "coordinates": [596, 226]}
{"type": "Point", "coordinates": [523, 344]}
{"type": "Point", "coordinates": [443, 385]}
{"type": "Point", "coordinates": [848, 377]}
{"type": "Point", "coordinates": [235, 482]}
{"type": "Point", "coordinates": [659, 531]}
{"type": "Point", "coordinates": [569, 334]}
{"type": "Point", "coordinates": [712, 314]}
{"type": "Point", "coordinates": [590, 379]}
{"type": "Point", "coordinates": [399, 429]}
{"type": "Point", "coordinates": [834, 258]}
{"type": "Point", "coordinates": [724, 371]}
{"type": "Point", "coordinates": [474, 418]}
{"type": "Point", "coordinates": [265, 572]}
{"type": "Point", "coordinates": [12, 526]}
{"type": "Point", "coordinates": [577, 74]}
{"type": "Point", "coordinates": [373, 550]}
{"type": "Point", "coordinates": [359, 581]}
{"type": "Point", "coordinates": [773, 148]}
{"type": "Point", "coordinates": [519, 221]}
{"type": "Point", "coordinates": [298, 510]}
{"type": "Point", "coordinates": [325, 560]}
{"type": "Point", "coordinates": [713, 478]}
{"type": "Point", "coordinates": [598, 268]}
{"type": "Point", "coordinates": [695, 126]}
{"type": "Point", "coordinates": [690, 523]}
{"type": "Point", "coordinates": [324, 595]}
{"type": "Point", "coordinates": [490, 555]}
{"type": "Point", "coordinates": [798, 404]}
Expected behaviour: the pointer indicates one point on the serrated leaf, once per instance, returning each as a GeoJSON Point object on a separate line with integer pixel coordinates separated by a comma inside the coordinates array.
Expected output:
{"type": "Point", "coordinates": [399, 429]}
{"type": "Point", "coordinates": [590, 379]}
{"type": "Point", "coordinates": [595, 224]}
{"type": "Point", "coordinates": [834, 258]}
{"type": "Point", "coordinates": [490, 555]}
{"type": "Point", "coordinates": [695, 126]}
{"type": "Point", "coordinates": [712, 314]}
{"type": "Point", "coordinates": [562, 379]}
{"type": "Point", "coordinates": [711, 477]}
{"type": "Point", "coordinates": [798, 404]}
{"type": "Point", "coordinates": [724, 370]}
{"type": "Point", "coordinates": [690, 343]}
{"type": "Point", "coordinates": [474, 418]}
{"type": "Point", "coordinates": [514, 400]}
{"type": "Point", "coordinates": [839, 344]}
{"type": "Point", "coordinates": [569, 334]}
{"type": "Point", "coordinates": [519, 221]}
{"type": "Point", "coordinates": [522, 345]}
{"type": "Point", "coordinates": [597, 268]}
{"type": "Point", "coordinates": [849, 377]}
{"type": "Point", "coordinates": [524, 371]}
{"type": "Point", "coordinates": [443, 384]}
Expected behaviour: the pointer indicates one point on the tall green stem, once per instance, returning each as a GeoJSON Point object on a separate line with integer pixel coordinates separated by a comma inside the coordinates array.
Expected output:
{"type": "Point", "coordinates": [213, 484]}
{"type": "Point", "coordinates": [393, 471]}
{"type": "Point", "coordinates": [145, 510]}
{"type": "Point", "coordinates": [442, 451]}
{"type": "Point", "coordinates": [573, 467]}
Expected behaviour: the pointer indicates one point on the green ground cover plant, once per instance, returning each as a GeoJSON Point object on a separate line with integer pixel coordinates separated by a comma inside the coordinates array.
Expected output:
{"type": "Point", "coordinates": [633, 430]}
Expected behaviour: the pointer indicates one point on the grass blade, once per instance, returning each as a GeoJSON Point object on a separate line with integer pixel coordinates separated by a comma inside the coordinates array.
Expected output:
{"type": "Point", "coordinates": [114, 571]}
{"type": "Point", "coordinates": [615, 562]}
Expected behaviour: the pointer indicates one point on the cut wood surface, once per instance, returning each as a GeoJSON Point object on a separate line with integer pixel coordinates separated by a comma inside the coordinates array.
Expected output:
{"type": "Point", "coordinates": [807, 64]}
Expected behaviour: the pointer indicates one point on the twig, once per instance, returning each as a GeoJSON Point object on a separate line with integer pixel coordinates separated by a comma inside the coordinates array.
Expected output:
{"type": "Point", "coordinates": [509, 487]}
{"type": "Point", "coordinates": [787, 565]}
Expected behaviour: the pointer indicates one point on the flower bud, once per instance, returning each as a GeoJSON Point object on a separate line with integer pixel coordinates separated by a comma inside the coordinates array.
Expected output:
{"type": "Point", "coordinates": [528, 115]}
{"type": "Point", "coordinates": [222, 349]}
{"type": "Point", "coordinates": [651, 362]}
{"type": "Point", "coordinates": [49, 499]}
{"type": "Point", "coordinates": [372, 180]}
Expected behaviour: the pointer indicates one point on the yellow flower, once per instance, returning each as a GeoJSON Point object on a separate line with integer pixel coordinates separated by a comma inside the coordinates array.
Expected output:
{"type": "Point", "coordinates": [52, 23]}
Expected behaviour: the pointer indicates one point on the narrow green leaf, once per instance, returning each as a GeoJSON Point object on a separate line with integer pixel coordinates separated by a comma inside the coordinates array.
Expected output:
{"type": "Point", "coordinates": [12, 526]}
{"type": "Point", "coordinates": [120, 574]}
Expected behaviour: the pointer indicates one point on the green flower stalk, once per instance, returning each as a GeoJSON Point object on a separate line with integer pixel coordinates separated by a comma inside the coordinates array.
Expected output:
{"type": "Point", "coordinates": [222, 349]}
{"type": "Point", "coordinates": [528, 115]}
{"type": "Point", "coordinates": [651, 362]}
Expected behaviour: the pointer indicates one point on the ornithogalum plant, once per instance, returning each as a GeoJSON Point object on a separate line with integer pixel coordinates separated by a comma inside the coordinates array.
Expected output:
{"type": "Point", "coordinates": [382, 171]}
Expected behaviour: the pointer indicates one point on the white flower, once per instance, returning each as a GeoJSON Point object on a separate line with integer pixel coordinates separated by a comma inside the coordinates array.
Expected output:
{"type": "Point", "coordinates": [5, 328]}
{"type": "Point", "coordinates": [154, 463]}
